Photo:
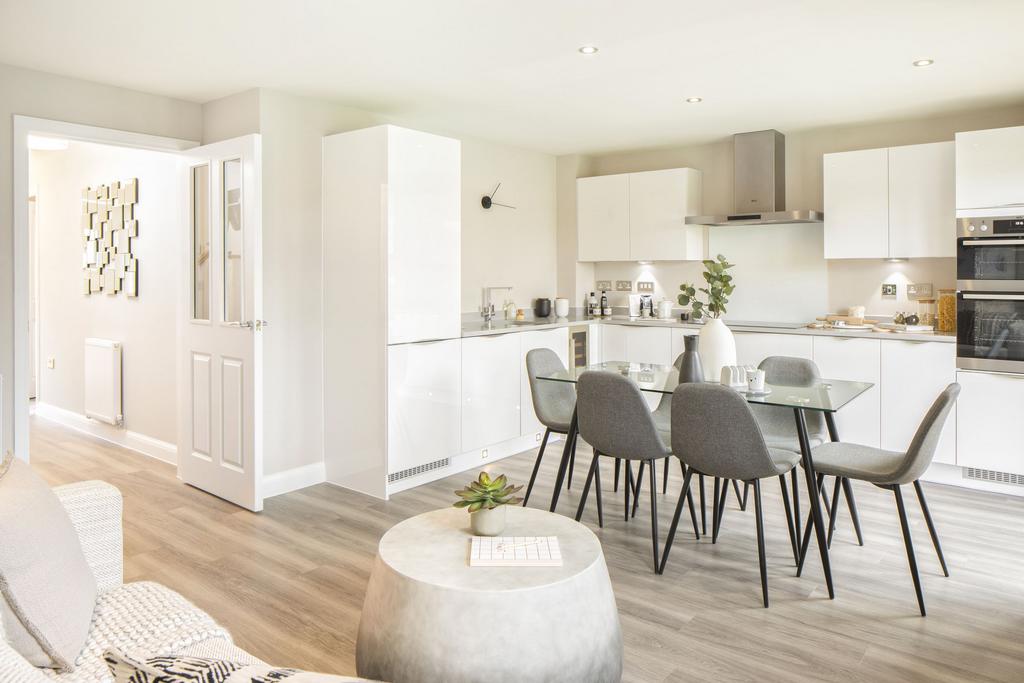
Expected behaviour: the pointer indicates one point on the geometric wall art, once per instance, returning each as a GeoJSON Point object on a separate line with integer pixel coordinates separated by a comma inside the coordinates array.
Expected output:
{"type": "Point", "coordinates": [109, 227]}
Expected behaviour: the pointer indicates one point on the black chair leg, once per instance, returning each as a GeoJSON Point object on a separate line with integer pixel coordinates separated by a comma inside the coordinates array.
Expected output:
{"type": "Point", "coordinates": [684, 493]}
{"type": "Point", "coordinates": [833, 511]}
{"type": "Point", "coordinates": [639, 485]}
{"type": "Point", "coordinates": [789, 519]}
{"type": "Point", "coordinates": [911, 558]}
{"type": "Point", "coordinates": [654, 512]}
{"type": "Point", "coordinates": [586, 486]}
{"type": "Point", "coordinates": [931, 526]}
{"type": "Point", "coordinates": [664, 479]}
{"type": "Point", "coordinates": [808, 529]}
{"type": "Point", "coordinates": [572, 464]}
{"type": "Point", "coordinates": [716, 493]}
{"type": "Point", "coordinates": [741, 500]}
{"type": "Point", "coordinates": [618, 466]}
{"type": "Point", "coordinates": [536, 466]}
{"type": "Point", "coordinates": [703, 506]}
{"type": "Point", "coordinates": [796, 500]}
{"type": "Point", "coordinates": [720, 511]}
{"type": "Point", "coordinates": [689, 500]}
{"type": "Point", "coordinates": [629, 486]}
{"type": "Point", "coordinates": [852, 505]}
{"type": "Point", "coordinates": [760, 541]}
{"type": "Point", "coordinates": [597, 482]}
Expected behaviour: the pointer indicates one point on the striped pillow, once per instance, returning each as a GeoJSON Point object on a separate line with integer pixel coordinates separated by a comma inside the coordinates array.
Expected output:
{"type": "Point", "coordinates": [181, 669]}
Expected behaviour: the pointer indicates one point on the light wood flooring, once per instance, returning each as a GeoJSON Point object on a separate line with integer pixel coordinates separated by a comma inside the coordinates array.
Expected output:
{"type": "Point", "coordinates": [289, 582]}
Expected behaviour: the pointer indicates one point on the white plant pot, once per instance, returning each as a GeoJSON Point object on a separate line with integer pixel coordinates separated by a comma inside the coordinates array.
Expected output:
{"type": "Point", "coordinates": [717, 348]}
{"type": "Point", "coordinates": [488, 522]}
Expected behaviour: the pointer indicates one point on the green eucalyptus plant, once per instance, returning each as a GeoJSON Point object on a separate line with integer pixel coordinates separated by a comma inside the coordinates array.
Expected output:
{"type": "Point", "coordinates": [487, 493]}
{"type": "Point", "coordinates": [719, 287]}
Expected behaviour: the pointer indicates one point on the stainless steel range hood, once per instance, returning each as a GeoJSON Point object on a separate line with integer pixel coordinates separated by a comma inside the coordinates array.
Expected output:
{"type": "Point", "coordinates": [759, 184]}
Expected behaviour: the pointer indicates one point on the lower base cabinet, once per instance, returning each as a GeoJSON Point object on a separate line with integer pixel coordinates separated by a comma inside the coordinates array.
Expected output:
{"type": "Point", "coordinates": [424, 406]}
{"type": "Point", "coordinates": [491, 382]}
{"type": "Point", "coordinates": [913, 374]}
{"type": "Point", "coordinates": [989, 429]}
{"type": "Point", "coordinates": [859, 360]}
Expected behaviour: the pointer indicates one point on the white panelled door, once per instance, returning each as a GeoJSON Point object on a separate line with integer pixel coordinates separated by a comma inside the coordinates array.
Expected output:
{"type": "Point", "coordinates": [220, 437]}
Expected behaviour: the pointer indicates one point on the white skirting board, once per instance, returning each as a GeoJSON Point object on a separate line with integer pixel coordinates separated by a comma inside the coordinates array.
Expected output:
{"type": "Point", "coordinates": [140, 443]}
{"type": "Point", "coordinates": [294, 479]}
{"type": "Point", "coordinates": [941, 473]}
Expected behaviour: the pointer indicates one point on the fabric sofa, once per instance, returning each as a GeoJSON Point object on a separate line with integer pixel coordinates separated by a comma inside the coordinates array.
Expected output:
{"type": "Point", "coordinates": [141, 619]}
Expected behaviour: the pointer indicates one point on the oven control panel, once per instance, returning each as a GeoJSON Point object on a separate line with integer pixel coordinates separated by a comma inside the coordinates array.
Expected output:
{"type": "Point", "coordinates": [1000, 226]}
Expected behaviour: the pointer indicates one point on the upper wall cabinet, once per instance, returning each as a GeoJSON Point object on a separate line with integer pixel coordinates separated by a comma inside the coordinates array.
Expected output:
{"type": "Point", "coordinates": [895, 202]}
{"type": "Point", "coordinates": [639, 216]}
{"type": "Point", "coordinates": [602, 218]}
{"type": "Point", "coordinates": [988, 170]}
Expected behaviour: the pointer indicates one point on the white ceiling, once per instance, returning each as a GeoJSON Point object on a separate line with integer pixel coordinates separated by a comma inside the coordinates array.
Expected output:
{"type": "Point", "coordinates": [510, 71]}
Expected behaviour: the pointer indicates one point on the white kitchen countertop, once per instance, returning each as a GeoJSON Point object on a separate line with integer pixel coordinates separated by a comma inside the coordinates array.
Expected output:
{"type": "Point", "coordinates": [477, 328]}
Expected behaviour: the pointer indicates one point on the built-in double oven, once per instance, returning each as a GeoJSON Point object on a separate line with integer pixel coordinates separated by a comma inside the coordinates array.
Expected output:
{"type": "Point", "coordinates": [990, 293]}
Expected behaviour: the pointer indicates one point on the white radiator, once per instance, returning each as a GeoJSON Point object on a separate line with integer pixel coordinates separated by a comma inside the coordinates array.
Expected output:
{"type": "Point", "coordinates": [103, 380]}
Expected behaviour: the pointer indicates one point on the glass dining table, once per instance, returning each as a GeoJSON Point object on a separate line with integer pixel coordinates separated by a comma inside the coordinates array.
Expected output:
{"type": "Point", "coordinates": [824, 396]}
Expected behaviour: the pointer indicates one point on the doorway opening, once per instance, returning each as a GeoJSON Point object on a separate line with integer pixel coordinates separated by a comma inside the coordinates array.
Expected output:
{"type": "Point", "coordinates": [104, 277]}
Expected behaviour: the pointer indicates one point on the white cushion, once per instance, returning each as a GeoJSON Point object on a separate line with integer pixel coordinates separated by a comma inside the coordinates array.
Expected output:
{"type": "Point", "coordinates": [142, 620]}
{"type": "Point", "coordinates": [48, 589]}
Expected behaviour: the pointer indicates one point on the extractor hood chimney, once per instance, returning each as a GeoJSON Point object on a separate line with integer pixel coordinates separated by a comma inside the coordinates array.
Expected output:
{"type": "Point", "coordinates": [759, 184]}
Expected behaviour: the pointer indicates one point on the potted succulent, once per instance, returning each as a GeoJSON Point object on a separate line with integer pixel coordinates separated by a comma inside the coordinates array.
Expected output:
{"type": "Point", "coordinates": [718, 347]}
{"type": "Point", "coordinates": [485, 499]}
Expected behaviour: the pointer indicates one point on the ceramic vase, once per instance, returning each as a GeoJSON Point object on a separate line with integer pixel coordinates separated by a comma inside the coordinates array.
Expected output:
{"type": "Point", "coordinates": [486, 522]}
{"type": "Point", "coordinates": [690, 369]}
{"type": "Point", "coordinates": [718, 347]}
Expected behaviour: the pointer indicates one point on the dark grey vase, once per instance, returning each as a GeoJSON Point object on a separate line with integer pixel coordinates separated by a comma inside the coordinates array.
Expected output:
{"type": "Point", "coordinates": [689, 365]}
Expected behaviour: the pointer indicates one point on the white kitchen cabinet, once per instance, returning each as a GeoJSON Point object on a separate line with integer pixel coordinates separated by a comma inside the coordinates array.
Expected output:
{"type": "Point", "coordinates": [922, 211]}
{"type": "Point", "coordinates": [894, 202]}
{"type": "Point", "coordinates": [423, 403]}
{"type": "Point", "coordinates": [678, 334]}
{"type": "Point", "coordinates": [989, 429]}
{"type": "Point", "coordinates": [558, 341]}
{"type": "Point", "coordinates": [491, 382]}
{"type": "Point", "coordinates": [856, 204]}
{"type": "Point", "coordinates": [423, 195]}
{"type": "Point", "coordinates": [912, 376]}
{"type": "Point", "coordinates": [613, 343]}
{"type": "Point", "coordinates": [651, 345]}
{"type": "Point", "coordinates": [988, 169]}
{"type": "Point", "coordinates": [602, 218]}
{"type": "Point", "coordinates": [594, 348]}
{"type": "Point", "coordinates": [854, 359]}
{"type": "Point", "coordinates": [659, 202]}
{"type": "Point", "coordinates": [754, 347]}
{"type": "Point", "coordinates": [639, 216]}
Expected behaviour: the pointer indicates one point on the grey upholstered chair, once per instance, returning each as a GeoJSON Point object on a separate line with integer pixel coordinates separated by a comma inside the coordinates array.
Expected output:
{"type": "Point", "coordinates": [714, 433]}
{"type": "Point", "coordinates": [615, 419]}
{"type": "Point", "coordinates": [779, 427]}
{"type": "Point", "coordinates": [890, 470]}
{"type": "Point", "coordinates": [553, 403]}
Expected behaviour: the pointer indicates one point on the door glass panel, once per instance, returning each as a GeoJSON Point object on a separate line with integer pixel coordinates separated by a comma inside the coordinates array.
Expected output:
{"type": "Point", "coordinates": [232, 240]}
{"type": "Point", "coordinates": [990, 328]}
{"type": "Point", "coordinates": [995, 259]}
{"type": "Point", "coordinates": [201, 242]}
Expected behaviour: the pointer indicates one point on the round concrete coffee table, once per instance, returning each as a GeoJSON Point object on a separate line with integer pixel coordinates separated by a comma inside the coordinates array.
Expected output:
{"type": "Point", "coordinates": [429, 616]}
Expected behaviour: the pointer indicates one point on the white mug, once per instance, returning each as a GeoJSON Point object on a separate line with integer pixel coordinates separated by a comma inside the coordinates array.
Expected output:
{"type": "Point", "coordinates": [755, 381]}
{"type": "Point", "coordinates": [561, 307]}
{"type": "Point", "coordinates": [733, 376]}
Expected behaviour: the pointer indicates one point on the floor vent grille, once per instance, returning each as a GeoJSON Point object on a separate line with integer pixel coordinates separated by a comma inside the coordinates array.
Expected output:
{"type": "Point", "coordinates": [992, 475]}
{"type": "Point", "coordinates": [419, 469]}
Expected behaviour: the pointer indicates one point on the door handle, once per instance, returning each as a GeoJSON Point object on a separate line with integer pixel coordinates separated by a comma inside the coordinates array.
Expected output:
{"type": "Point", "coordinates": [992, 243]}
{"type": "Point", "coordinates": [996, 297]}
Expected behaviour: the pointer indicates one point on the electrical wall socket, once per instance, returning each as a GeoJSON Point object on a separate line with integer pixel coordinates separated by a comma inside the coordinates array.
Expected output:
{"type": "Point", "coordinates": [623, 285]}
{"type": "Point", "coordinates": [919, 290]}
{"type": "Point", "coordinates": [645, 287]}
{"type": "Point", "coordinates": [483, 454]}
{"type": "Point", "coordinates": [888, 289]}
{"type": "Point", "coordinates": [604, 285]}
{"type": "Point", "coordinates": [51, 362]}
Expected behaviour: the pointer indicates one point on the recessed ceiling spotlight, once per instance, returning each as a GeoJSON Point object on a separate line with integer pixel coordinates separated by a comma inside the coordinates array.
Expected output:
{"type": "Point", "coordinates": [923, 62]}
{"type": "Point", "coordinates": [694, 100]}
{"type": "Point", "coordinates": [588, 50]}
